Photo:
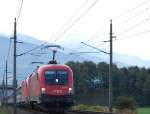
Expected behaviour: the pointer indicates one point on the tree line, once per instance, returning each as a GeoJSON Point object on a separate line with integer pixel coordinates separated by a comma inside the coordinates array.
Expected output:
{"type": "Point", "coordinates": [90, 77]}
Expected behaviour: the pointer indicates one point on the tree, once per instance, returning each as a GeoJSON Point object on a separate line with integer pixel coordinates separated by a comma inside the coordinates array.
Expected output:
{"type": "Point", "coordinates": [146, 91]}
{"type": "Point", "coordinates": [103, 71]}
{"type": "Point", "coordinates": [125, 102]}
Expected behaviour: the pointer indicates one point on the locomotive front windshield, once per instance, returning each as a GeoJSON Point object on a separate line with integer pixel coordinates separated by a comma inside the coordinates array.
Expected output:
{"type": "Point", "coordinates": [56, 77]}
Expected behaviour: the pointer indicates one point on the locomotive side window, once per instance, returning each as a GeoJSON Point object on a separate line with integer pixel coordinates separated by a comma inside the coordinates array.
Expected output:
{"type": "Point", "coordinates": [56, 77]}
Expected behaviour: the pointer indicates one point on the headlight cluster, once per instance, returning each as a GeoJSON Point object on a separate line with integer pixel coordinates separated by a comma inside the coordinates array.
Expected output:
{"type": "Point", "coordinates": [70, 90]}
{"type": "Point", "coordinates": [43, 90]}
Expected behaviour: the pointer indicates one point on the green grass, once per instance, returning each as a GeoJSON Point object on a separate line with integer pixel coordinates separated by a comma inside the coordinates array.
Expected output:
{"type": "Point", "coordinates": [144, 110]}
{"type": "Point", "coordinates": [3, 111]}
{"type": "Point", "coordinates": [94, 108]}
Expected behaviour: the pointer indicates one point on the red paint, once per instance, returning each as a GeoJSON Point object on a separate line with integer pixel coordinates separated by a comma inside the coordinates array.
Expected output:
{"type": "Point", "coordinates": [32, 86]}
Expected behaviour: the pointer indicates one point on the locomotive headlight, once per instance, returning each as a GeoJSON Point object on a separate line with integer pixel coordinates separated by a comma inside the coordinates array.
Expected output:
{"type": "Point", "coordinates": [43, 90]}
{"type": "Point", "coordinates": [70, 90]}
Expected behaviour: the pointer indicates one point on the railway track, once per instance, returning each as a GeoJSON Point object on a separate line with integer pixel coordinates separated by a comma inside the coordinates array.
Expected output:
{"type": "Point", "coordinates": [87, 112]}
{"type": "Point", "coordinates": [25, 111]}
{"type": "Point", "coordinates": [29, 111]}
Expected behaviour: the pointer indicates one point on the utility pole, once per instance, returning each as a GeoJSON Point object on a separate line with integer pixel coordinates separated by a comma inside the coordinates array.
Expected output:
{"type": "Point", "coordinates": [3, 95]}
{"type": "Point", "coordinates": [14, 71]}
{"type": "Point", "coordinates": [6, 84]}
{"type": "Point", "coordinates": [110, 68]}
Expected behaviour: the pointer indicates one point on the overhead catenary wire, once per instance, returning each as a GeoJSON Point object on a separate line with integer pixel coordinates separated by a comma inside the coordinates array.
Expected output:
{"type": "Point", "coordinates": [9, 47]}
{"type": "Point", "coordinates": [74, 22]}
{"type": "Point", "coordinates": [83, 52]}
{"type": "Point", "coordinates": [19, 10]}
{"type": "Point", "coordinates": [69, 20]}
{"type": "Point", "coordinates": [71, 26]}
{"type": "Point", "coordinates": [102, 28]}
{"type": "Point", "coordinates": [84, 13]}
{"type": "Point", "coordinates": [133, 35]}
{"type": "Point", "coordinates": [131, 9]}
{"type": "Point", "coordinates": [35, 48]}
{"type": "Point", "coordinates": [100, 44]}
{"type": "Point", "coordinates": [120, 15]}
{"type": "Point", "coordinates": [8, 53]}
{"type": "Point", "coordinates": [134, 26]}
{"type": "Point", "coordinates": [95, 48]}
{"type": "Point", "coordinates": [90, 51]}
{"type": "Point", "coordinates": [135, 15]}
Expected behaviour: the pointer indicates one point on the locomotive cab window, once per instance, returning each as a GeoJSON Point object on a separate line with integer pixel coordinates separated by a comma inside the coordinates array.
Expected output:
{"type": "Point", "coordinates": [56, 77]}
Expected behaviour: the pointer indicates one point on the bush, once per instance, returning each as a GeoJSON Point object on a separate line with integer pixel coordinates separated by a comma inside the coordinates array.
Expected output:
{"type": "Point", "coordinates": [124, 102]}
{"type": "Point", "coordinates": [3, 110]}
{"type": "Point", "coordinates": [85, 107]}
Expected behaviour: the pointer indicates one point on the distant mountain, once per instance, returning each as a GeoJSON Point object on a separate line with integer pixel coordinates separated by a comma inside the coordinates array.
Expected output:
{"type": "Point", "coordinates": [29, 39]}
{"type": "Point", "coordinates": [128, 60]}
{"type": "Point", "coordinates": [24, 66]}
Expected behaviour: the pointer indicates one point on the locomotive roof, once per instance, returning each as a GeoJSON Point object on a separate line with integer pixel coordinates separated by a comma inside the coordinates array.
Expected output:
{"type": "Point", "coordinates": [53, 65]}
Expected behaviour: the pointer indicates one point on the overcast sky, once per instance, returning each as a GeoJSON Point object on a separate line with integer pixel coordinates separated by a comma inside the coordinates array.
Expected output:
{"type": "Point", "coordinates": [73, 21]}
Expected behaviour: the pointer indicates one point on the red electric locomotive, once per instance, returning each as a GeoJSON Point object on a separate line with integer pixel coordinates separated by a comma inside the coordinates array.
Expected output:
{"type": "Point", "coordinates": [49, 87]}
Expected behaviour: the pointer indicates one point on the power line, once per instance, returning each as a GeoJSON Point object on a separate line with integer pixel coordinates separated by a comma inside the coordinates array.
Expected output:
{"type": "Point", "coordinates": [69, 20]}
{"type": "Point", "coordinates": [137, 34]}
{"type": "Point", "coordinates": [9, 47]}
{"type": "Point", "coordinates": [19, 10]}
{"type": "Point", "coordinates": [132, 9]}
{"type": "Point", "coordinates": [89, 41]}
{"type": "Point", "coordinates": [76, 50]}
{"type": "Point", "coordinates": [83, 52]}
{"type": "Point", "coordinates": [125, 21]}
{"type": "Point", "coordinates": [97, 32]}
{"type": "Point", "coordinates": [85, 12]}
{"type": "Point", "coordinates": [94, 36]}
{"type": "Point", "coordinates": [78, 53]}
{"type": "Point", "coordinates": [129, 10]}
{"type": "Point", "coordinates": [8, 53]}
{"type": "Point", "coordinates": [37, 47]}
{"type": "Point", "coordinates": [95, 48]}
{"type": "Point", "coordinates": [134, 26]}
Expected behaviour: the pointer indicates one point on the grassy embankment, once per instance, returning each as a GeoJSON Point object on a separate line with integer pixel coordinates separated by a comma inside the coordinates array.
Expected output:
{"type": "Point", "coordinates": [144, 110]}
{"type": "Point", "coordinates": [94, 108]}
{"type": "Point", "coordinates": [103, 109]}
{"type": "Point", "coordinates": [3, 110]}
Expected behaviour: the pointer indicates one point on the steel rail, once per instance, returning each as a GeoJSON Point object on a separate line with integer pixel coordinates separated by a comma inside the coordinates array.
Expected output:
{"type": "Point", "coordinates": [87, 112]}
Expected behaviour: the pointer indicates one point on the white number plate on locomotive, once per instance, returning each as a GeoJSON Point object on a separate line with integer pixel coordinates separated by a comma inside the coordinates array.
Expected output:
{"type": "Point", "coordinates": [58, 91]}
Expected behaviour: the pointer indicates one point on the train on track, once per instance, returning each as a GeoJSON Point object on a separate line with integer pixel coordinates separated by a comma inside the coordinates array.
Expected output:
{"type": "Point", "coordinates": [49, 88]}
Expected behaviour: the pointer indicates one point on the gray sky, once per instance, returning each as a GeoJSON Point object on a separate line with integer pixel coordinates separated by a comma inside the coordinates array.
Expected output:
{"type": "Point", "coordinates": [85, 19]}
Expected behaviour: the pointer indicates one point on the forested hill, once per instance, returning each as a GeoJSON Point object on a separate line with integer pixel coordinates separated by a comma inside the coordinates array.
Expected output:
{"type": "Point", "coordinates": [91, 82]}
